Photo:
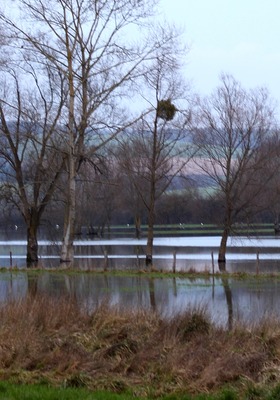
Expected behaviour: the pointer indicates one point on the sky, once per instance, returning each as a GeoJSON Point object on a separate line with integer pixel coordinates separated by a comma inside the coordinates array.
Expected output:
{"type": "Point", "coordinates": [237, 37]}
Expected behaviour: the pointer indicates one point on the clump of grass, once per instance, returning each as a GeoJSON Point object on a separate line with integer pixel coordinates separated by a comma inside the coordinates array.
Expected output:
{"type": "Point", "coordinates": [192, 322]}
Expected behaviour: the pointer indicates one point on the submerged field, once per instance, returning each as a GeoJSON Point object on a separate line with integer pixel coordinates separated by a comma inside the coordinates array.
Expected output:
{"type": "Point", "coordinates": [55, 342]}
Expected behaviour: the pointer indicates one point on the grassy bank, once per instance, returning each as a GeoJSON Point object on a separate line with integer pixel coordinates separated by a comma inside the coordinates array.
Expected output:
{"type": "Point", "coordinates": [58, 344]}
{"type": "Point", "coordinates": [10, 391]}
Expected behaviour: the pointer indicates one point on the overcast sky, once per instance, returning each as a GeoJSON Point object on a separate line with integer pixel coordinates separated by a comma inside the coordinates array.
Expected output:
{"type": "Point", "coordinates": [239, 37]}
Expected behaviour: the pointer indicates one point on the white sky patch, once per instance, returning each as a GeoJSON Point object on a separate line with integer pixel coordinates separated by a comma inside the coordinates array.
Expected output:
{"type": "Point", "coordinates": [238, 37]}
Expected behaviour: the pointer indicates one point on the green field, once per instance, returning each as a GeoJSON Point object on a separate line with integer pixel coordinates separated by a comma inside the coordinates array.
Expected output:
{"type": "Point", "coordinates": [191, 229]}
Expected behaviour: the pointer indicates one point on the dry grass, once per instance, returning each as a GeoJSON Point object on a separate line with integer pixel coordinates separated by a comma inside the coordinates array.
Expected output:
{"type": "Point", "coordinates": [53, 340]}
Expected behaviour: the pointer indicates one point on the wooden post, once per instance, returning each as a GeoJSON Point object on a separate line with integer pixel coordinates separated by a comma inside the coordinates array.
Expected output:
{"type": "Point", "coordinates": [174, 262]}
{"type": "Point", "coordinates": [213, 273]}
{"type": "Point", "coordinates": [213, 264]}
{"type": "Point", "coordinates": [105, 260]}
{"type": "Point", "coordinates": [137, 254]}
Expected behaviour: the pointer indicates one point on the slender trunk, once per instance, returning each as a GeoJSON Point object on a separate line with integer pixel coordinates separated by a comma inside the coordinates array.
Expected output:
{"type": "Point", "coordinates": [67, 249]}
{"type": "Point", "coordinates": [150, 242]}
{"type": "Point", "coordinates": [151, 222]}
{"type": "Point", "coordinates": [138, 227]}
{"type": "Point", "coordinates": [151, 208]}
{"type": "Point", "coordinates": [32, 245]}
{"type": "Point", "coordinates": [222, 250]}
{"type": "Point", "coordinates": [225, 235]}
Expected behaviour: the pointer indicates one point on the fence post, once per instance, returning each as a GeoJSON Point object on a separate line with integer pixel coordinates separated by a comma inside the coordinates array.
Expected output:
{"type": "Point", "coordinates": [174, 261]}
{"type": "Point", "coordinates": [105, 260]}
{"type": "Point", "coordinates": [213, 265]}
{"type": "Point", "coordinates": [137, 255]}
{"type": "Point", "coordinates": [258, 262]}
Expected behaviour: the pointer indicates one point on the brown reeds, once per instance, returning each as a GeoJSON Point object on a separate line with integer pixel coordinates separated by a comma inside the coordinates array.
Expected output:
{"type": "Point", "coordinates": [56, 340]}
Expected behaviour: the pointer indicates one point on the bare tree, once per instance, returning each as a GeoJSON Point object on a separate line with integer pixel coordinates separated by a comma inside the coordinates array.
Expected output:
{"type": "Point", "coordinates": [231, 127]}
{"type": "Point", "coordinates": [268, 200]}
{"type": "Point", "coordinates": [93, 45]}
{"type": "Point", "coordinates": [97, 193]}
{"type": "Point", "coordinates": [30, 166]}
{"type": "Point", "coordinates": [129, 199]}
{"type": "Point", "coordinates": [158, 150]}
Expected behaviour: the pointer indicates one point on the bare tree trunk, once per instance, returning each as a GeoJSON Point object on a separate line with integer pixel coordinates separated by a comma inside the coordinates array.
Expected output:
{"type": "Point", "coordinates": [149, 248]}
{"type": "Point", "coordinates": [151, 207]}
{"type": "Point", "coordinates": [67, 249]}
{"type": "Point", "coordinates": [227, 227]}
{"type": "Point", "coordinates": [150, 235]}
{"type": "Point", "coordinates": [151, 221]}
{"type": "Point", "coordinates": [223, 249]}
{"type": "Point", "coordinates": [32, 245]}
{"type": "Point", "coordinates": [138, 226]}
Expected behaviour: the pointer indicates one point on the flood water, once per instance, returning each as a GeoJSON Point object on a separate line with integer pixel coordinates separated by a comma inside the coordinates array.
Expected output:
{"type": "Point", "coordinates": [227, 299]}
{"type": "Point", "coordinates": [185, 253]}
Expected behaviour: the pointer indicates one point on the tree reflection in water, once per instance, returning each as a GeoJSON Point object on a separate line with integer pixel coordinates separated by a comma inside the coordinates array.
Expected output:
{"type": "Point", "coordinates": [227, 299]}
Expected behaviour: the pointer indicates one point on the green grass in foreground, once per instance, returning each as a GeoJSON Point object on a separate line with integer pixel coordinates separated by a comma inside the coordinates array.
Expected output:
{"type": "Point", "coordinates": [9, 391]}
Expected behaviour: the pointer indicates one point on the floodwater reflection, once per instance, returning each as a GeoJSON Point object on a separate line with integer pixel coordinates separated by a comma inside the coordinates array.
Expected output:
{"type": "Point", "coordinates": [226, 299]}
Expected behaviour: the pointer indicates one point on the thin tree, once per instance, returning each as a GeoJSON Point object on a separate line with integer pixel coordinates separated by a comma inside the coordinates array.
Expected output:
{"type": "Point", "coordinates": [231, 127]}
{"type": "Point", "coordinates": [30, 166]}
{"type": "Point", "coordinates": [93, 45]}
{"type": "Point", "coordinates": [268, 201]}
{"type": "Point", "coordinates": [159, 149]}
